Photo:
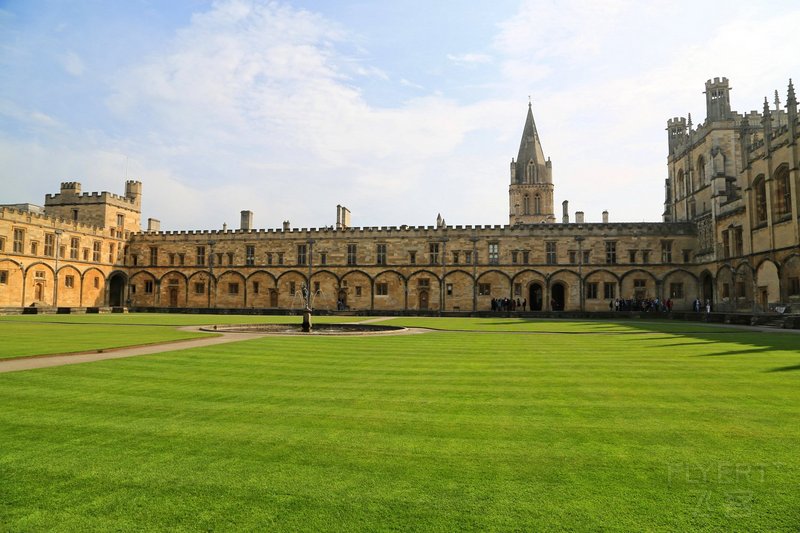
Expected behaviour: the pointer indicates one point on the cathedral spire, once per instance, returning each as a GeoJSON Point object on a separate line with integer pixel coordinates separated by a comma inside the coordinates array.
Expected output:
{"type": "Point", "coordinates": [530, 159]}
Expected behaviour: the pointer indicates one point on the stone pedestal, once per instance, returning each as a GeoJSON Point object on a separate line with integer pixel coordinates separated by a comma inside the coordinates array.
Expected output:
{"type": "Point", "coordinates": [307, 320]}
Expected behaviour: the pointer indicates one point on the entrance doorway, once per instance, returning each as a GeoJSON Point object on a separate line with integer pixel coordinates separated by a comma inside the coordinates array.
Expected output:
{"type": "Point", "coordinates": [273, 297]}
{"type": "Point", "coordinates": [116, 290]}
{"type": "Point", "coordinates": [423, 300]}
{"type": "Point", "coordinates": [39, 292]}
{"type": "Point", "coordinates": [708, 288]}
{"type": "Point", "coordinates": [173, 296]}
{"type": "Point", "coordinates": [341, 305]}
{"type": "Point", "coordinates": [558, 291]}
{"type": "Point", "coordinates": [535, 297]}
{"type": "Point", "coordinates": [763, 298]}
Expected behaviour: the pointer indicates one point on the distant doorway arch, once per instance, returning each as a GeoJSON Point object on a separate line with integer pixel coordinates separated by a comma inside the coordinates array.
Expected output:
{"type": "Point", "coordinates": [558, 291]}
{"type": "Point", "coordinates": [708, 287]}
{"type": "Point", "coordinates": [116, 290]}
{"type": "Point", "coordinates": [536, 296]}
{"type": "Point", "coordinates": [423, 300]}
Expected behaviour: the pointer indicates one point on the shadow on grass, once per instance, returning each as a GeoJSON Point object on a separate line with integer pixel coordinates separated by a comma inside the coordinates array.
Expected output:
{"type": "Point", "coordinates": [785, 368]}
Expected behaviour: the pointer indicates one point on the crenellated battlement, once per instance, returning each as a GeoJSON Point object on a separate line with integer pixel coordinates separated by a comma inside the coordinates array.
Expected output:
{"type": "Point", "coordinates": [28, 217]}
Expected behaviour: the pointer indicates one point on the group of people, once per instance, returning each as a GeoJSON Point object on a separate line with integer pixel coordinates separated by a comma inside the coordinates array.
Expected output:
{"type": "Point", "coordinates": [641, 304]}
{"type": "Point", "coordinates": [698, 306]}
{"type": "Point", "coordinates": [509, 304]}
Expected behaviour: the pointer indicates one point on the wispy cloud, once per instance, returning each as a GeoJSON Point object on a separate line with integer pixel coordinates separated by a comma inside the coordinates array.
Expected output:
{"type": "Point", "coordinates": [469, 59]}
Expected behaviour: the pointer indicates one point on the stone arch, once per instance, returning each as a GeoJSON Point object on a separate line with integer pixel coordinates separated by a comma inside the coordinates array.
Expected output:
{"type": "Point", "coordinates": [743, 280]}
{"type": "Point", "coordinates": [782, 192]}
{"type": "Point", "coordinates": [790, 280]}
{"type": "Point", "coordinates": [759, 200]}
{"type": "Point", "coordinates": [117, 285]}
{"type": "Point", "coordinates": [499, 286]}
{"type": "Point", "coordinates": [563, 289]}
{"type": "Point", "coordinates": [606, 290]}
{"type": "Point", "coordinates": [173, 287]}
{"type": "Point", "coordinates": [459, 290]}
{"type": "Point", "coordinates": [93, 287]}
{"type": "Point", "coordinates": [231, 289]}
{"type": "Point", "coordinates": [200, 286]}
{"type": "Point", "coordinates": [261, 291]}
{"type": "Point", "coordinates": [768, 285]}
{"type": "Point", "coordinates": [702, 178]}
{"type": "Point", "coordinates": [138, 286]}
{"type": "Point", "coordinates": [638, 284]}
{"type": "Point", "coordinates": [12, 293]}
{"type": "Point", "coordinates": [326, 296]}
{"type": "Point", "coordinates": [682, 287]}
{"type": "Point", "coordinates": [69, 286]}
{"type": "Point", "coordinates": [395, 290]}
{"type": "Point", "coordinates": [356, 287]}
{"type": "Point", "coordinates": [38, 284]}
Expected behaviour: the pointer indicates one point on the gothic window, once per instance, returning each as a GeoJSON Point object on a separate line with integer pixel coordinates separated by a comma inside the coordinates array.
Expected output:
{"type": "Point", "coordinates": [701, 170]}
{"type": "Point", "coordinates": [352, 251]}
{"type": "Point", "coordinates": [380, 254]}
{"type": "Point", "coordinates": [433, 253]}
{"type": "Point", "coordinates": [680, 182]}
{"type": "Point", "coordinates": [611, 252]}
{"type": "Point", "coordinates": [550, 253]}
{"type": "Point", "coordinates": [783, 192]}
{"type": "Point", "coordinates": [526, 205]}
{"type": "Point", "coordinates": [760, 189]}
{"type": "Point", "coordinates": [494, 253]}
{"type": "Point", "coordinates": [666, 251]}
{"type": "Point", "coordinates": [537, 204]}
{"type": "Point", "coordinates": [531, 172]}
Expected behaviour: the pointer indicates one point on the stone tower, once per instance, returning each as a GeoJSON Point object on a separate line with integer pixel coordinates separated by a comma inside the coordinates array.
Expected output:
{"type": "Point", "coordinates": [531, 191]}
{"type": "Point", "coordinates": [718, 99]}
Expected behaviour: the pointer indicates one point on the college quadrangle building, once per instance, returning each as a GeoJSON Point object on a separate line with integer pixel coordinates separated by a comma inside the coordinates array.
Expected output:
{"type": "Point", "coordinates": [729, 235]}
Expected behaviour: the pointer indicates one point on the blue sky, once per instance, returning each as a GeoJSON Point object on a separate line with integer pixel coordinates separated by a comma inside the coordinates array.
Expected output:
{"type": "Point", "coordinates": [397, 110]}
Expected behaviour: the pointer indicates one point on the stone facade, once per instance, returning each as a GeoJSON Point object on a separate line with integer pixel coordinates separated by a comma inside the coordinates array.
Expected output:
{"type": "Point", "coordinates": [730, 235]}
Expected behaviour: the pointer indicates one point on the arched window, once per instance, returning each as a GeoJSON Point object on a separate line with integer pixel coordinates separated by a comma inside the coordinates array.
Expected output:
{"type": "Point", "coordinates": [531, 172]}
{"type": "Point", "coordinates": [680, 183]}
{"type": "Point", "coordinates": [783, 192]}
{"type": "Point", "coordinates": [701, 170]}
{"type": "Point", "coordinates": [760, 200]}
{"type": "Point", "coordinates": [526, 205]}
{"type": "Point", "coordinates": [537, 204]}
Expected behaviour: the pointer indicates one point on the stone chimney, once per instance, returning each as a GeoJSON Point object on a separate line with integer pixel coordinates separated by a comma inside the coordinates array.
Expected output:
{"type": "Point", "coordinates": [579, 217]}
{"type": "Point", "coordinates": [338, 217]}
{"type": "Point", "coordinates": [565, 211]}
{"type": "Point", "coordinates": [153, 224]}
{"type": "Point", "coordinates": [247, 221]}
{"type": "Point", "coordinates": [345, 222]}
{"type": "Point", "coordinates": [287, 225]}
{"type": "Point", "coordinates": [605, 217]}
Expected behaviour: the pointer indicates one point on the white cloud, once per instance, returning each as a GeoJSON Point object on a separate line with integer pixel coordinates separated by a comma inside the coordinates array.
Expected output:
{"type": "Point", "coordinates": [73, 64]}
{"type": "Point", "coordinates": [468, 59]}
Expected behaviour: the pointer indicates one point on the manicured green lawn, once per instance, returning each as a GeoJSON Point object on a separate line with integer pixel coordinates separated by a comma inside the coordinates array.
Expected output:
{"type": "Point", "coordinates": [442, 431]}
{"type": "Point", "coordinates": [26, 335]}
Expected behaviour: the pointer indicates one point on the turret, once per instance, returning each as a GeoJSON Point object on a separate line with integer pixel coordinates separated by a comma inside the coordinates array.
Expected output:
{"type": "Point", "coordinates": [133, 191]}
{"type": "Point", "coordinates": [718, 99]}
{"type": "Point", "coordinates": [676, 132]}
{"type": "Point", "coordinates": [70, 188]}
{"type": "Point", "coordinates": [766, 123]}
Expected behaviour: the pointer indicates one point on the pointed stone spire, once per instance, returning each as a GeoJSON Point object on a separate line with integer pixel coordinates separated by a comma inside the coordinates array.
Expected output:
{"type": "Point", "coordinates": [777, 101]}
{"type": "Point", "coordinates": [744, 139]}
{"type": "Point", "coordinates": [791, 110]}
{"type": "Point", "coordinates": [689, 123]}
{"type": "Point", "coordinates": [530, 152]}
{"type": "Point", "coordinates": [766, 121]}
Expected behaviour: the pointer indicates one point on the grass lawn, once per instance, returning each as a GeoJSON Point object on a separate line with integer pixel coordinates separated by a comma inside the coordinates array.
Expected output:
{"type": "Point", "coordinates": [26, 335]}
{"type": "Point", "coordinates": [444, 431]}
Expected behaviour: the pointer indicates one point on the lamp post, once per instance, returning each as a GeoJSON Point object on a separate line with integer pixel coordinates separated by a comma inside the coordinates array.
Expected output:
{"type": "Point", "coordinates": [210, 268]}
{"type": "Point", "coordinates": [581, 296]}
{"type": "Point", "coordinates": [57, 251]}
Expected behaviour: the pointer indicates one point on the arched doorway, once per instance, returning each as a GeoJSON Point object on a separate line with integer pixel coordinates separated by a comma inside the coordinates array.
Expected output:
{"type": "Point", "coordinates": [116, 290]}
{"type": "Point", "coordinates": [273, 297]}
{"type": "Point", "coordinates": [341, 305]}
{"type": "Point", "coordinates": [708, 287]}
{"type": "Point", "coordinates": [557, 302]}
{"type": "Point", "coordinates": [39, 292]}
{"type": "Point", "coordinates": [423, 300]}
{"type": "Point", "coordinates": [536, 297]}
{"type": "Point", "coordinates": [173, 296]}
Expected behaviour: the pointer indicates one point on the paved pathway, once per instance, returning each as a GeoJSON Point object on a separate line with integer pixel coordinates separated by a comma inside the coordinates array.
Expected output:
{"type": "Point", "coordinates": [29, 363]}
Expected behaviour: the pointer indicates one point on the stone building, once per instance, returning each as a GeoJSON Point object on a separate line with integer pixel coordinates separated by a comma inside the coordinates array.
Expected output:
{"type": "Point", "coordinates": [729, 234]}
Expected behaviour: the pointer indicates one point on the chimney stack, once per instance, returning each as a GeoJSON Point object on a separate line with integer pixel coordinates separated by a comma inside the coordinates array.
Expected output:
{"type": "Point", "coordinates": [605, 217]}
{"type": "Point", "coordinates": [345, 222]}
{"type": "Point", "coordinates": [153, 224]}
{"type": "Point", "coordinates": [565, 216]}
{"type": "Point", "coordinates": [247, 221]}
{"type": "Point", "coordinates": [287, 225]}
{"type": "Point", "coordinates": [579, 217]}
